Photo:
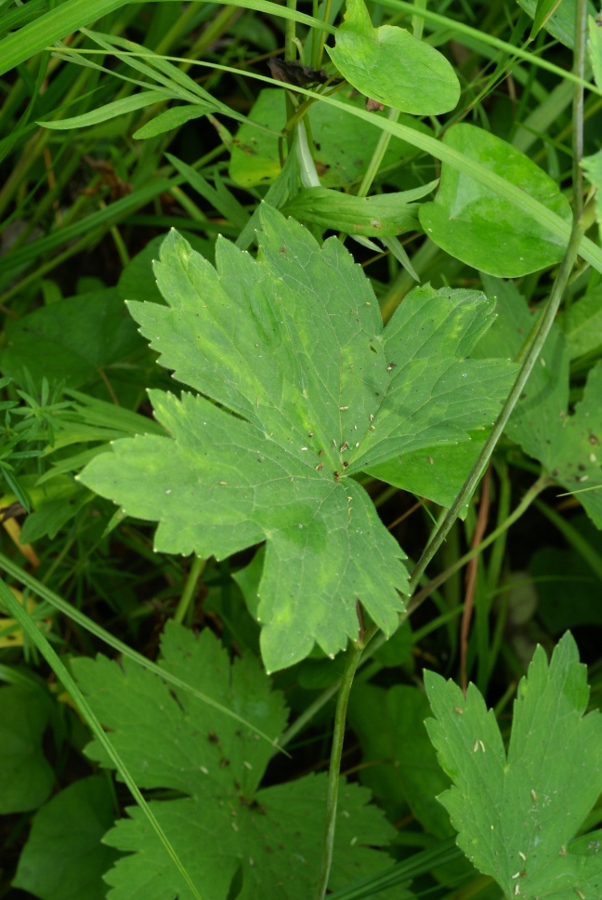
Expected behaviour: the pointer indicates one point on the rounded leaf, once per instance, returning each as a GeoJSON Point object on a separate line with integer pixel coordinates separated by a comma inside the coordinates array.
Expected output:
{"type": "Point", "coordinates": [390, 65]}
{"type": "Point", "coordinates": [481, 228]}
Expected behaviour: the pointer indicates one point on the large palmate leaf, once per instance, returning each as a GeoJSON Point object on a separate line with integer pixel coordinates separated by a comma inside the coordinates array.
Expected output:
{"type": "Point", "coordinates": [221, 823]}
{"type": "Point", "coordinates": [311, 391]}
{"type": "Point", "coordinates": [516, 814]}
{"type": "Point", "coordinates": [567, 445]}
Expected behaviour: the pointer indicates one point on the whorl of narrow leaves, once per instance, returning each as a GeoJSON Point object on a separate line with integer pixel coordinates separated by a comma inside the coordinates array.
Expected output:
{"type": "Point", "coordinates": [517, 814]}
{"type": "Point", "coordinates": [311, 389]}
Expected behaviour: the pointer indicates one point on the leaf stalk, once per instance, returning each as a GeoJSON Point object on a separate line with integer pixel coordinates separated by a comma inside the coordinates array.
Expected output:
{"type": "Point", "coordinates": [354, 655]}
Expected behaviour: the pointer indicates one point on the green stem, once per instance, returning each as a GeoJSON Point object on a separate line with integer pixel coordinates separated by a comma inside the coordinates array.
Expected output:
{"type": "Point", "coordinates": [322, 39]}
{"type": "Point", "coordinates": [377, 156]}
{"type": "Point", "coordinates": [579, 71]}
{"type": "Point", "coordinates": [290, 47]}
{"type": "Point", "coordinates": [196, 570]}
{"type": "Point", "coordinates": [582, 219]}
{"type": "Point", "coordinates": [351, 663]}
{"type": "Point", "coordinates": [546, 321]}
{"type": "Point", "coordinates": [536, 489]}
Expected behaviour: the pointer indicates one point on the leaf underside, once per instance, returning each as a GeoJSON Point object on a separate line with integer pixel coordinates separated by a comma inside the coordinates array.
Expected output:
{"type": "Point", "coordinates": [311, 390]}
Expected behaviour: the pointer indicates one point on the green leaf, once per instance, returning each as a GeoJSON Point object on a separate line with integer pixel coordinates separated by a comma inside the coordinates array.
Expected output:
{"type": "Point", "coordinates": [376, 216]}
{"type": "Point", "coordinates": [581, 324]}
{"type": "Point", "coordinates": [71, 340]}
{"type": "Point", "coordinates": [436, 473]}
{"type": "Point", "coordinates": [390, 65]}
{"type": "Point", "coordinates": [408, 772]}
{"type": "Point", "coordinates": [51, 514]}
{"type": "Point", "coordinates": [592, 166]}
{"type": "Point", "coordinates": [224, 822]}
{"type": "Point", "coordinates": [567, 445]}
{"type": "Point", "coordinates": [170, 119]}
{"type": "Point", "coordinates": [545, 8]}
{"type": "Point", "coordinates": [595, 50]}
{"type": "Point", "coordinates": [110, 110]}
{"type": "Point", "coordinates": [517, 814]}
{"type": "Point", "coordinates": [479, 226]}
{"type": "Point", "coordinates": [343, 146]}
{"type": "Point", "coordinates": [53, 25]}
{"type": "Point", "coordinates": [137, 281]}
{"type": "Point", "coordinates": [26, 779]}
{"type": "Point", "coordinates": [64, 858]}
{"type": "Point", "coordinates": [560, 573]}
{"type": "Point", "coordinates": [293, 345]}
{"type": "Point", "coordinates": [561, 24]}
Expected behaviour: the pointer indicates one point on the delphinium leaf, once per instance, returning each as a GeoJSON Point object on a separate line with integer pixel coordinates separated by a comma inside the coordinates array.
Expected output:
{"type": "Point", "coordinates": [517, 813]}
{"type": "Point", "coordinates": [308, 389]}
{"type": "Point", "coordinates": [220, 822]}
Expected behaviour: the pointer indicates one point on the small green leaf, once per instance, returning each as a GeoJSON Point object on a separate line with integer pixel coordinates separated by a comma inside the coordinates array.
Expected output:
{"type": "Point", "coordinates": [170, 119]}
{"type": "Point", "coordinates": [390, 65]}
{"type": "Point", "coordinates": [26, 778]}
{"type": "Point", "coordinates": [376, 216]}
{"type": "Point", "coordinates": [224, 821]}
{"type": "Point", "coordinates": [110, 110]}
{"type": "Point", "coordinates": [64, 857]}
{"type": "Point", "coordinates": [477, 225]}
{"type": "Point", "coordinates": [311, 390]}
{"type": "Point", "coordinates": [517, 814]}
{"type": "Point", "coordinates": [403, 772]}
{"type": "Point", "coordinates": [559, 573]}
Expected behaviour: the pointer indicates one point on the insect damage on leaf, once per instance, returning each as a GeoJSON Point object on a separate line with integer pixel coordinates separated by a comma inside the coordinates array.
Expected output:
{"type": "Point", "coordinates": [294, 368]}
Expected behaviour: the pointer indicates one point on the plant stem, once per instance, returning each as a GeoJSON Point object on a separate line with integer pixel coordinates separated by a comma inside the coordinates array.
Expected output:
{"type": "Point", "coordinates": [351, 663]}
{"type": "Point", "coordinates": [582, 219]}
{"type": "Point", "coordinates": [196, 570]}
{"type": "Point", "coordinates": [543, 329]}
{"type": "Point", "coordinates": [536, 489]}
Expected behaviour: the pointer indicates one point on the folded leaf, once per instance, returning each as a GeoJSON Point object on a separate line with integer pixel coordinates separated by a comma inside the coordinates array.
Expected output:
{"type": "Point", "coordinates": [377, 216]}
{"type": "Point", "coordinates": [311, 390]}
